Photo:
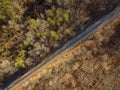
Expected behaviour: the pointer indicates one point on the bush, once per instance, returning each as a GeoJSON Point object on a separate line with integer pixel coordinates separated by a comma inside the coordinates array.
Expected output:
{"type": "Point", "coordinates": [38, 34]}
{"type": "Point", "coordinates": [50, 13]}
{"type": "Point", "coordinates": [58, 11]}
{"type": "Point", "coordinates": [60, 19]}
{"type": "Point", "coordinates": [41, 34]}
{"type": "Point", "coordinates": [6, 10]}
{"type": "Point", "coordinates": [19, 62]}
{"type": "Point", "coordinates": [66, 17]}
{"type": "Point", "coordinates": [50, 21]}
{"type": "Point", "coordinates": [32, 22]}
{"type": "Point", "coordinates": [68, 31]}
{"type": "Point", "coordinates": [54, 35]}
{"type": "Point", "coordinates": [25, 43]}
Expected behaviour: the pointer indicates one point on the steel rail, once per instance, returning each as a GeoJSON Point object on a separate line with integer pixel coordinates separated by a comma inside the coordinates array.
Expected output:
{"type": "Point", "coordinates": [66, 47]}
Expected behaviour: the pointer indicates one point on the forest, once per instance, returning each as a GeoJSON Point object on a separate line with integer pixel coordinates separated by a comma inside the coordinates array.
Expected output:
{"type": "Point", "coordinates": [30, 30]}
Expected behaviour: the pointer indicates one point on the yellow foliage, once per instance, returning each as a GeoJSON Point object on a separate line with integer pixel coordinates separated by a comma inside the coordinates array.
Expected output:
{"type": "Point", "coordinates": [52, 22]}
{"type": "Point", "coordinates": [68, 31]}
{"type": "Point", "coordinates": [50, 13]}
{"type": "Point", "coordinates": [54, 35]}
{"type": "Point", "coordinates": [58, 11]}
{"type": "Point", "coordinates": [19, 62]}
{"type": "Point", "coordinates": [32, 22]}
{"type": "Point", "coordinates": [66, 17]}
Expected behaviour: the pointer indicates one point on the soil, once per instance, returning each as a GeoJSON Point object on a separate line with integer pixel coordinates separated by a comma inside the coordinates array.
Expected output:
{"type": "Point", "coordinates": [94, 66]}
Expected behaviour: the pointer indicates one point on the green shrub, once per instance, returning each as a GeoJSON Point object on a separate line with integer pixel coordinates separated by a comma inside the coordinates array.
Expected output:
{"type": "Point", "coordinates": [43, 33]}
{"type": "Point", "coordinates": [60, 19]}
{"type": "Point", "coordinates": [58, 24]}
{"type": "Point", "coordinates": [68, 31]}
{"type": "Point", "coordinates": [38, 34]}
{"type": "Point", "coordinates": [21, 54]}
{"type": "Point", "coordinates": [32, 22]}
{"type": "Point", "coordinates": [19, 62]}
{"type": "Point", "coordinates": [51, 21]}
{"type": "Point", "coordinates": [66, 17]}
{"type": "Point", "coordinates": [25, 43]}
{"type": "Point", "coordinates": [5, 53]}
{"type": "Point", "coordinates": [54, 35]}
{"type": "Point", "coordinates": [2, 17]}
{"type": "Point", "coordinates": [6, 10]}
{"type": "Point", "coordinates": [50, 13]}
{"type": "Point", "coordinates": [58, 11]}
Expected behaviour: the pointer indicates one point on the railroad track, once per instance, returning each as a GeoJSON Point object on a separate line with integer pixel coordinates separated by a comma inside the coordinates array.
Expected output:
{"type": "Point", "coordinates": [69, 47]}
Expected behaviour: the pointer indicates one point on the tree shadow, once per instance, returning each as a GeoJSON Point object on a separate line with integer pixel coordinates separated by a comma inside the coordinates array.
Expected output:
{"type": "Point", "coordinates": [34, 8]}
{"type": "Point", "coordinates": [99, 8]}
